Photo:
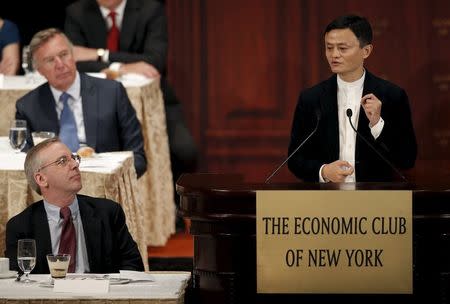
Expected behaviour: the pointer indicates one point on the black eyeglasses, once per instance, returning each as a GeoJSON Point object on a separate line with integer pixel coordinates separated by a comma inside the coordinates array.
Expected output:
{"type": "Point", "coordinates": [62, 161]}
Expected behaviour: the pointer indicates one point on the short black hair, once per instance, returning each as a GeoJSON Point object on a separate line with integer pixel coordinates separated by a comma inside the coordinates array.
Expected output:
{"type": "Point", "coordinates": [357, 24]}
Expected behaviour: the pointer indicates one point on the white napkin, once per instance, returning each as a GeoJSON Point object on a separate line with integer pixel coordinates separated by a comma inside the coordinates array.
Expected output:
{"type": "Point", "coordinates": [133, 80]}
{"type": "Point", "coordinates": [98, 75]}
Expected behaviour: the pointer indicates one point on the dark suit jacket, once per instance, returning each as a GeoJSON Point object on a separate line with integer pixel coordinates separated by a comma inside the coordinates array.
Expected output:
{"type": "Point", "coordinates": [143, 36]}
{"type": "Point", "coordinates": [109, 118]}
{"type": "Point", "coordinates": [396, 142]}
{"type": "Point", "coordinates": [109, 245]}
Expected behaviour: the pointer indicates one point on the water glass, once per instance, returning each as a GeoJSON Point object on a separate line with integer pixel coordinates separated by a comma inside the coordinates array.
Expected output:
{"type": "Point", "coordinates": [18, 134]}
{"type": "Point", "coordinates": [26, 257]}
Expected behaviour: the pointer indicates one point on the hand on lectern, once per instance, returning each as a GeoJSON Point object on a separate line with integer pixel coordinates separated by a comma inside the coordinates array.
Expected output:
{"type": "Point", "coordinates": [337, 171]}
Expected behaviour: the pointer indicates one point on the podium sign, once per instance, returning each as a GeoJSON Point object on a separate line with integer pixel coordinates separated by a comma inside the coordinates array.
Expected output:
{"type": "Point", "coordinates": [334, 242]}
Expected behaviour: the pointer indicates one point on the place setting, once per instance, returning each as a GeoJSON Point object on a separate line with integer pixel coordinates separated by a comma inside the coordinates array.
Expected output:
{"type": "Point", "coordinates": [60, 280]}
{"type": "Point", "coordinates": [59, 265]}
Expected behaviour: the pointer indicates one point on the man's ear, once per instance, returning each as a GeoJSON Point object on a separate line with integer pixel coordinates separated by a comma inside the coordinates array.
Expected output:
{"type": "Point", "coordinates": [40, 179]}
{"type": "Point", "coordinates": [367, 50]}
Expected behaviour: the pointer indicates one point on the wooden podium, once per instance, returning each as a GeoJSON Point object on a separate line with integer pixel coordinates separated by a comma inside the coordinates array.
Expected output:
{"type": "Point", "coordinates": [222, 209]}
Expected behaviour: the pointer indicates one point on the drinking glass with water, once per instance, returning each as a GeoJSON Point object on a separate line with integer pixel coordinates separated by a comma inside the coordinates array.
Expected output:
{"type": "Point", "coordinates": [26, 257]}
{"type": "Point", "coordinates": [18, 134]}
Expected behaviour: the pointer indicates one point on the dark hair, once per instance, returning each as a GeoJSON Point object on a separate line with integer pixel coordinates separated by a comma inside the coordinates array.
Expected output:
{"type": "Point", "coordinates": [358, 25]}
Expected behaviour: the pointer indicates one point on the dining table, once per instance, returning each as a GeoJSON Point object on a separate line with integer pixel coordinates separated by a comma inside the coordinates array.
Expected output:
{"type": "Point", "coordinates": [132, 288]}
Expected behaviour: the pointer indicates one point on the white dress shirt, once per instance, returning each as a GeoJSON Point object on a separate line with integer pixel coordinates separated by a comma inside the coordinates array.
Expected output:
{"type": "Point", "coordinates": [55, 223]}
{"type": "Point", "coordinates": [75, 105]}
{"type": "Point", "coordinates": [349, 96]}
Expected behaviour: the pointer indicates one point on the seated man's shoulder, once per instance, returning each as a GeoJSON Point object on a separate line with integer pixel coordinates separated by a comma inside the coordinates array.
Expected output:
{"type": "Point", "coordinates": [102, 84]}
{"type": "Point", "coordinates": [97, 203]}
{"type": "Point", "coordinates": [33, 95]}
{"type": "Point", "coordinates": [27, 214]}
{"type": "Point", "coordinates": [80, 6]}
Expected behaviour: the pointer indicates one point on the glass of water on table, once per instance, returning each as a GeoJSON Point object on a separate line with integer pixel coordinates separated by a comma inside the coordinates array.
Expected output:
{"type": "Point", "coordinates": [18, 134]}
{"type": "Point", "coordinates": [26, 257]}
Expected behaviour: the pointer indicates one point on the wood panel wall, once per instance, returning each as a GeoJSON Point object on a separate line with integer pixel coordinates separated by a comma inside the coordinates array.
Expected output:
{"type": "Point", "coordinates": [238, 67]}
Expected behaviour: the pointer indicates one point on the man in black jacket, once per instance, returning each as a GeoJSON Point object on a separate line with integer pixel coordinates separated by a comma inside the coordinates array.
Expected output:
{"type": "Point", "coordinates": [99, 238]}
{"type": "Point", "coordinates": [380, 112]}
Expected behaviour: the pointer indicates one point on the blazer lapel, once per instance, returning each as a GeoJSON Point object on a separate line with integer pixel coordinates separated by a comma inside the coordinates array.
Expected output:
{"type": "Point", "coordinates": [328, 104]}
{"type": "Point", "coordinates": [41, 232]}
{"type": "Point", "coordinates": [92, 234]}
{"type": "Point", "coordinates": [90, 100]}
{"type": "Point", "coordinates": [129, 24]}
{"type": "Point", "coordinates": [47, 111]}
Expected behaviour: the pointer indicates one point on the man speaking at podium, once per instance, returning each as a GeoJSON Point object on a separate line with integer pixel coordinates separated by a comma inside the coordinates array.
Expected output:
{"type": "Point", "coordinates": [381, 140]}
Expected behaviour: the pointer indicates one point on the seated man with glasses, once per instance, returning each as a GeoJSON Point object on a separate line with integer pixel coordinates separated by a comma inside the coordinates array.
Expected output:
{"type": "Point", "coordinates": [92, 230]}
{"type": "Point", "coordinates": [79, 108]}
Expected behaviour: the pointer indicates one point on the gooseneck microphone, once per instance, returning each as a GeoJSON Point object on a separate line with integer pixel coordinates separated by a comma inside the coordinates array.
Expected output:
{"type": "Point", "coordinates": [318, 114]}
{"type": "Point", "coordinates": [349, 113]}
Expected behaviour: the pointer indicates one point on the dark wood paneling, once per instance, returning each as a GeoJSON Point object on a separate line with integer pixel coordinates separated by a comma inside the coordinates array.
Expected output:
{"type": "Point", "coordinates": [238, 67]}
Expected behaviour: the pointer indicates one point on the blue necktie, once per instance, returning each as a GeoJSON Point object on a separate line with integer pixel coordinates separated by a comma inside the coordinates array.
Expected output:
{"type": "Point", "coordinates": [67, 125]}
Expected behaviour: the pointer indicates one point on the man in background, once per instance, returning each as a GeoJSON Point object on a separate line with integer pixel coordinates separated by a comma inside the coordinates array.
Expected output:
{"type": "Point", "coordinates": [130, 36]}
{"type": "Point", "coordinates": [79, 108]}
{"type": "Point", "coordinates": [136, 42]}
{"type": "Point", "coordinates": [92, 230]}
{"type": "Point", "coordinates": [379, 110]}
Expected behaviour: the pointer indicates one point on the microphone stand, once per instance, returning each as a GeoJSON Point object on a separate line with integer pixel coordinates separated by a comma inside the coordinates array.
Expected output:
{"type": "Point", "coordinates": [349, 113]}
{"type": "Point", "coordinates": [296, 149]}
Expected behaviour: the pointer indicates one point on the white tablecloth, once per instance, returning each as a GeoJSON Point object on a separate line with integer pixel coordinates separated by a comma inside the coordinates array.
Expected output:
{"type": "Point", "coordinates": [168, 287]}
{"type": "Point", "coordinates": [100, 163]}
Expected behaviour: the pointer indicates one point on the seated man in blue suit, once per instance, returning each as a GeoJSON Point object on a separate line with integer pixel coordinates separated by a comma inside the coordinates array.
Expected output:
{"type": "Point", "coordinates": [92, 230]}
{"type": "Point", "coordinates": [80, 108]}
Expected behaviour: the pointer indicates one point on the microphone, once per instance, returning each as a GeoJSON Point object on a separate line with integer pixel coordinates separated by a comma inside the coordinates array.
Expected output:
{"type": "Point", "coordinates": [318, 114]}
{"type": "Point", "coordinates": [349, 113]}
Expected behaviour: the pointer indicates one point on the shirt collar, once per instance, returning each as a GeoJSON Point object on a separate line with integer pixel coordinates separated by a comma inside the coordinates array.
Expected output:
{"type": "Point", "coordinates": [73, 90]}
{"type": "Point", "coordinates": [53, 210]}
{"type": "Point", "coordinates": [357, 84]}
{"type": "Point", "coordinates": [119, 10]}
